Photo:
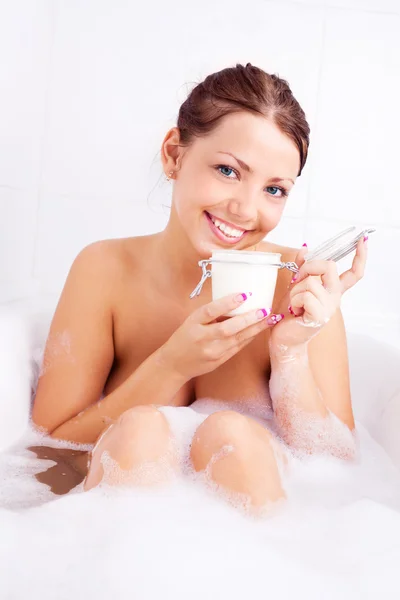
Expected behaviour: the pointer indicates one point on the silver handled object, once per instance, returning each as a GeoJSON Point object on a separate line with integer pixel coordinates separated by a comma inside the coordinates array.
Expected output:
{"type": "Point", "coordinates": [335, 248]}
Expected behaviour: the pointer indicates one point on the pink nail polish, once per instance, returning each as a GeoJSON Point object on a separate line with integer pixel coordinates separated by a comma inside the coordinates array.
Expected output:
{"type": "Point", "coordinates": [241, 297]}
{"type": "Point", "coordinates": [274, 319]}
{"type": "Point", "coordinates": [294, 278]}
{"type": "Point", "coordinates": [305, 245]}
{"type": "Point", "coordinates": [365, 238]}
{"type": "Point", "coordinates": [262, 313]}
{"type": "Point", "coordinates": [290, 309]}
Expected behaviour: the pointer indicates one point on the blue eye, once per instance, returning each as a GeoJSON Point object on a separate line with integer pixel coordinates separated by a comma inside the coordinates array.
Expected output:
{"type": "Point", "coordinates": [227, 171]}
{"type": "Point", "coordinates": [272, 187]}
{"type": "Point", "coordinates": [225, 168]}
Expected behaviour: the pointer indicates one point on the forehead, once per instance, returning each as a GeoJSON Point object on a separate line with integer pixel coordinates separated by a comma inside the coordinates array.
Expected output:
{"type": "Point", "coordinates": [257, 141]}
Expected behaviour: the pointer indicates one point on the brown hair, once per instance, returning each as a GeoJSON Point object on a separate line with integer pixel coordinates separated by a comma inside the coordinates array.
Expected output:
{"type": "Point", "coordinates": [243, 88]}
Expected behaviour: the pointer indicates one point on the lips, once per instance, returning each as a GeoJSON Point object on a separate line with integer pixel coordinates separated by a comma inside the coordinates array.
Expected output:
{"type": "Point", "coordinates": [220, 234]}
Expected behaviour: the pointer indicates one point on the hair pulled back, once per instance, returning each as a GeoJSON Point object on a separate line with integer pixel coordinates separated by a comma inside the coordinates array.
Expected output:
{"type": "Point", "coordinates": [243, 88]}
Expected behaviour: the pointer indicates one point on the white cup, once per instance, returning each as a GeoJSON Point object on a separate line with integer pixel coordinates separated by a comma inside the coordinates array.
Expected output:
{"type": "Point", "coordinates": [235, 271]}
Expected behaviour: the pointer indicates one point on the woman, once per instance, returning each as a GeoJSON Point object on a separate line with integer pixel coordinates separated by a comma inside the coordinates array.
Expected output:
{"type": "Point", "coordinates": [126, 332]}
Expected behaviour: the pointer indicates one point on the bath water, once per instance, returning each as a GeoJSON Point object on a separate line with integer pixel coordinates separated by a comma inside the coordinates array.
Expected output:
{"type": "Point", "coordinates": [336, 536]}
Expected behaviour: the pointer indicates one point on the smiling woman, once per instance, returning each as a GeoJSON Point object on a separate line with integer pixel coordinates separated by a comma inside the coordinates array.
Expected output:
{"type": "Point", "coordinates": [138, 343]}
{"type": "Point", "coordinates": [264, 147]}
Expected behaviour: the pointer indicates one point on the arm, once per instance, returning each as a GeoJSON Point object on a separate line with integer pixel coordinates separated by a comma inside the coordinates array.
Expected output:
{"type": "Point", "coordinates": [80, 351]}
{"type": "Point", "coordinates": [310, 392]}
{"type": "Point", "coordinates": [79, 355]}
{"type": "Point", "coordinates": [309, 384]}
{"type": "Point", "coordinates": [151, 383]}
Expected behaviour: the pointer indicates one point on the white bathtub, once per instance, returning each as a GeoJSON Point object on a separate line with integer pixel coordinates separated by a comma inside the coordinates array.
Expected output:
{"type": "Point", "coordinates": [338, 536]}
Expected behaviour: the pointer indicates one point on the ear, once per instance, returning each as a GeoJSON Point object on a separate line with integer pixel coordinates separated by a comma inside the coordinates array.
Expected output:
{"type": "Point", "coordinates": [171, 151]}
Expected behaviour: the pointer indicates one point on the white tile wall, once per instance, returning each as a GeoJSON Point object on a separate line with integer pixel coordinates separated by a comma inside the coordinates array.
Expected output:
{"type": "Point", "coordinates": [18, 209]}
{"type": "Point", "coordinates": [26, 35]}
{"type": "Point", "coordinates": [358, 124]}
{"type": "Point", "coordinates": [89, 88]}
{"type": "Point", "coordinates": [381, 6]}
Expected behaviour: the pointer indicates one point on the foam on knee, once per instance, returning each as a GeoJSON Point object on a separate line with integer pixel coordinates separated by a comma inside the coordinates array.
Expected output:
{"type": "Point", "coordinates": [146, 473]}
{"type": "Point", "coordinates": [138, 449]}
{"type": "Point", "coordinates": [225, 455]}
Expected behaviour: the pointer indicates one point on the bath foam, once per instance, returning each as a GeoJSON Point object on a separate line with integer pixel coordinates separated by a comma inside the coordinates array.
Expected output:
{"type": "Point", "coordinates": [337, 535]}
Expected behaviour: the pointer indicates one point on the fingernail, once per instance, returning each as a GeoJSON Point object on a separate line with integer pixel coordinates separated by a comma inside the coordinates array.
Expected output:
{"type": "Point", "coordinates": [294, 278]}
{"type": "Point", "coordinates": [263, 312]}
{"type": "Point", "coordinates": [274, 319]}
{"type": "Point", "coordinates": [290, 309]}
{"type": "Point", "coordinates": [365, 238]}
{"type": "Point", "coordinates": [243, 297]}
{"type": "Point", "coordinates": [305, 245]}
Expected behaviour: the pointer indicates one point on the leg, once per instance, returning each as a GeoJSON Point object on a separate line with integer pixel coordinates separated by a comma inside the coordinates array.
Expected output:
{"type": "Point", "coordinates": [137, 449]}
{"type": "Point", "coordinates": [247, 466]}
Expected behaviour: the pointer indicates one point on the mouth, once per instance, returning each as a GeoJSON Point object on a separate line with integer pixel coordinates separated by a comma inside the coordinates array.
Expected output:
{"type": "Point", "coordinates": [224, 231]}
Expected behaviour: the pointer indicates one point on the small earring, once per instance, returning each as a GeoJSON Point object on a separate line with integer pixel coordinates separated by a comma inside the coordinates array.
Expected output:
{"type": "Point", "coordinates": [169, 176]}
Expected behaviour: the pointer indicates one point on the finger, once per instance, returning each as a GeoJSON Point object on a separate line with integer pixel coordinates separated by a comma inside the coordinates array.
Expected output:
{"type": "Point", "coordinates": [349, 278]}
{"type": "Point", "coordinates": [314, 286]}
{"type": "Point", "coordinates": [236, 348]}
{"type": "Point", "coordinates": [301, 254]}
{"type": "Point", "coordinates": [300, 259]}
{"type": "Point", "coordinates": [236, 324]}
{"type": "Point", "coordinates": [326, 269]}
{"type": "Point", "coordinates": [311, 284]}
{"type": "Point", "coordinates": [245, 336]}
{"type": "Point", "coordinates": [218, 308]}
{"type": "Point", "coordinates": [310, 304]}
{"type": "Point", "coordinates": [253, 330]}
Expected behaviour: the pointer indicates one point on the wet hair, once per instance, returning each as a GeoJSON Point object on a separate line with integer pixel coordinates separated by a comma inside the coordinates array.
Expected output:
{"type": "Point", "coordinates": [243, 88]}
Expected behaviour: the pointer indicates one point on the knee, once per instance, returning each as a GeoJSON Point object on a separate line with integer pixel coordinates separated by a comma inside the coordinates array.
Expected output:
{"type": "Point", "coordinates": [224, 426]}
{"type": "Point", "coordinates": [139, 417]}
{"type": "Point", "coordinates": [221, 429]}
{"type": "Point", "coordinates": [141, 435]}
{"type": "Point", "coordinates": [143, 426]}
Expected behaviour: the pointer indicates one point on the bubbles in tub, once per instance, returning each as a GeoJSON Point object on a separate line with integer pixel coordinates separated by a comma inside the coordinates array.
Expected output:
{"type": "Point", "coordinates": [147, 473]}
{"type": "Point", "coordinates": [34, 455]}
{"type": "Point", "coordinates": [336, 536]}
{"type": "Point", "coordinates": [302, 427]}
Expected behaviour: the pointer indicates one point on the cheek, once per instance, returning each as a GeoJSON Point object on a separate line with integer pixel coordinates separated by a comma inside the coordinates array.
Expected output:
{"type": "Point", "coordinates": [196, 195]}
{"type": "Point", "coordinates": [270, 216]}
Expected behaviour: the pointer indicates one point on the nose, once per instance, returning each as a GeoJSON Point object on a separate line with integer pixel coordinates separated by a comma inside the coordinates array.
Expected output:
{"type": "Point", "coordinates": [244, 207]}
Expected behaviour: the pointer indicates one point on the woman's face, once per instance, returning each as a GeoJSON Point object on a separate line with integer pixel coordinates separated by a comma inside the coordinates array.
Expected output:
{"type": "Point", "coordinates": [231, 187]}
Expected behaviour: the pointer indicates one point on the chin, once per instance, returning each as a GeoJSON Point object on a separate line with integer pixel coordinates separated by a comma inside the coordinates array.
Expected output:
{"type": "Point", "coordinates": [204, 248]}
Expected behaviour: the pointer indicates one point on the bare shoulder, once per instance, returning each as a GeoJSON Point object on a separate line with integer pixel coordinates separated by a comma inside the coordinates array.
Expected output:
{"type": "Point", "coordinates": [112, 259]}
{"type": "Point", "coordinates": [76, 371]}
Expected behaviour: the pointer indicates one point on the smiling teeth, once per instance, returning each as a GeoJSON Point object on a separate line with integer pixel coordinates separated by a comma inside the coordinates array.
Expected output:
{"type": "Point", "coordinates": [230, 231]}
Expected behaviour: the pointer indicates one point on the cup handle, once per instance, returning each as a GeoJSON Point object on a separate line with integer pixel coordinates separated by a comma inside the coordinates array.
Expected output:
{"type": "Point", "coordinates": [291, 266]}
{"type": "Point", "coordinates": [206, 274]}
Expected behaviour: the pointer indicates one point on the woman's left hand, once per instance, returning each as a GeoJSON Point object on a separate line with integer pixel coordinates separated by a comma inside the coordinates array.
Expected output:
{"type": "Point", "coordinates": [315, 296]}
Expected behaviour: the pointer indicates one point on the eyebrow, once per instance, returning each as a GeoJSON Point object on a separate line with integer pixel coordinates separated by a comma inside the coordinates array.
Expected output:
{"type": "Point", "coordinates": [246, 167]}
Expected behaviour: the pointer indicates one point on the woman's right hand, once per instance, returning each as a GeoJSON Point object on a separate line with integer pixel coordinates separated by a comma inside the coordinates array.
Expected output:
{"type": "Point", "coordinates": [201, 344]}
